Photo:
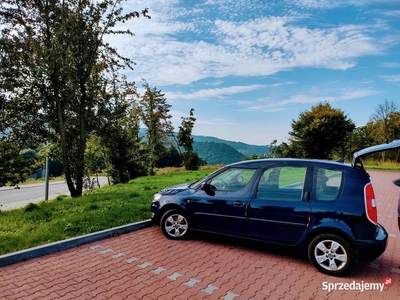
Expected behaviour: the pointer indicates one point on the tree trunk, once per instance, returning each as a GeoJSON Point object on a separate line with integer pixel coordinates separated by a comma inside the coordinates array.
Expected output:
{"type": "Point", "coordinates": [64, 154]}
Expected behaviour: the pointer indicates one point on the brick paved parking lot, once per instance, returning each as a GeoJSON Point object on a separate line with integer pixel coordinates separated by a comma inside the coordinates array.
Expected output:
{"type": "Point", "coordinates": [145, 265]}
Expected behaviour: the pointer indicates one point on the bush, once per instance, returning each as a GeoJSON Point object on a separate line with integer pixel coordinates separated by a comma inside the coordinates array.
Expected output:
{"type": "Point", "coordinates": [192, 161]}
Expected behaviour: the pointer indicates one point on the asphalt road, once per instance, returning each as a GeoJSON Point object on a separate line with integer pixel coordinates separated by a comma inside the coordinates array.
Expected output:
{"type": "Point", "coordinates": [11, 197]}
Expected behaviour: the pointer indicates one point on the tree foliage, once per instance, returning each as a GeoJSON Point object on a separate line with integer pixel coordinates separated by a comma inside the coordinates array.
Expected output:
{"type": "Point", "coordinates": [285, 150]}
{"type": "Point", "coordinates": [318, 132]}
{"type": "Point", "coordinates": [191, 160]}
{"type": "Point", "coordinates": [358, 139]}
{"type": "Point", "coordinates": [15, 164]}
{"type": "Point", "coordinates": [54, 65]}
{"type": "Point", "coordinates": [171, 158]}
{"type": "Point", "coordinates": [154, 111]}
{"type": "Point", "coordinates": [384, 121]}
{"type": "Point", "coordinates": [95, 155]}
{"type": "Point", "coordinates": [184, 136]}
{"type": "Point", "coordinates": [118, 127]}
{"type": "Point", "coordinates": [384, 125]}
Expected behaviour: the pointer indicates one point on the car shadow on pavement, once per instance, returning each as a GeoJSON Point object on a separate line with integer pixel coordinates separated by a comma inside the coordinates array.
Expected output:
{"type": "Point", "coordinates": [284, 253]}
{"type": "Point", "coordinates": [249, 244]}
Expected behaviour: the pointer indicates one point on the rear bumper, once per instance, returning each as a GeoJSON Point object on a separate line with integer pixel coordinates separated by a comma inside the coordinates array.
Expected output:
{"type": "Point", "coordinates": [370, 249]}
{"type": "Point", "coordinates": [398, 214]}
{"type": "Point", "coordinates": [398, 221]}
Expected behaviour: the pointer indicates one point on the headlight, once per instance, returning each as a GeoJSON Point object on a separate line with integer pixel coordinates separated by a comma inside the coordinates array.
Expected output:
{"type": "Point", "coordinates": [156, 197]}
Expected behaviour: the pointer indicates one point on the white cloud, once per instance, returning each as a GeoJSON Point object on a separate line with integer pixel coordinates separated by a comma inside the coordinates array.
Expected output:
{"type": "Point", "coordinates": [281, 84]}
{"type": "Point", "coordinates": [391, 78]}
{"type": "Point", "coordinates": [316, 97]}
{"type": "Point", "coordinates": [391, 65]}
{"type": "Point", "coordinates": [214, 93]}
{"type": "Point", "coordinates": [181, 46]}
{"type": "Point", "coordinates": [214, 122]}
{"type": "Point", "coordinates": [357, 94]}
{"type": "Point", "coordinates": [215, 83]}
{"type": "Point", "coordinates": [263, 46]}
{"type": "Point", "coordinates": [315, 4]}
{"type": "Point", "coordinates": [392, 13]}
{"type": "Point", "coordinates": [329, 4]}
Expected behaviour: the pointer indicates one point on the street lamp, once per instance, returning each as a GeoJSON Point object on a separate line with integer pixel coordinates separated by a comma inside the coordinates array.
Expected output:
{"type": "Point", "coordinates": [52, 16]}
{"type": "Point", "coordinates": [271, 149]}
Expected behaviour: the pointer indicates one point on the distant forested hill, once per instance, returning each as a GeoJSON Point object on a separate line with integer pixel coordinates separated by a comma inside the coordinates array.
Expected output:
{"type": "Point", "coordinates": [246, 149]}
{"type": "Point", "coordinates": [217, 153]}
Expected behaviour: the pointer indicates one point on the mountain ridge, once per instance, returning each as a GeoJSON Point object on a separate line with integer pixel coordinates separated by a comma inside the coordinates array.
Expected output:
{"type": "Point", "coordinates": [214, 150]}
{"type": "Point", "coordinates": [246, 149]}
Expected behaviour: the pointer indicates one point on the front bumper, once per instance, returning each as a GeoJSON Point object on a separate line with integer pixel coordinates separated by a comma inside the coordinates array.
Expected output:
{"type": "Point", "coordinates": [155, 208]}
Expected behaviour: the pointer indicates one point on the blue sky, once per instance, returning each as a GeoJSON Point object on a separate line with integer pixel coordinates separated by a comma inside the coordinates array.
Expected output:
{"type": "Point", "coordinates": [250, 67]}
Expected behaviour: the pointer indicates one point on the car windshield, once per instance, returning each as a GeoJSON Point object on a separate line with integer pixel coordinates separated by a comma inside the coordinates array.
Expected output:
{"type": "Point", "coordinates": [198, 183]}
{"type": "Point", "coordinates": [229, 178]}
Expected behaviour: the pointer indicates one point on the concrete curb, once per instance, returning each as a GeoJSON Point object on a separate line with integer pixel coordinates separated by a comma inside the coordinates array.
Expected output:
{"type": "Point", "coordinates": [15, 257]}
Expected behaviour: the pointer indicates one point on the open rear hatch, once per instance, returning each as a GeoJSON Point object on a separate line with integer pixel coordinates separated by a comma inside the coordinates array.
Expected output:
{"type": "Point", "coordinates": [378, 148]}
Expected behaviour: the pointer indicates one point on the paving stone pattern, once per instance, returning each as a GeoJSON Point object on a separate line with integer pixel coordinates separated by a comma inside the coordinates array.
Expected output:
{"type": "Point", "coordinates": [146, 265]}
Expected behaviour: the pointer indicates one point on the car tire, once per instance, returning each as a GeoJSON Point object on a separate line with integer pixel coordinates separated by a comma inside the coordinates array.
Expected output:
{"type": "Point", "coordinates": [331, 255]}
{"type": "Point", "coordinates": [174, 225]}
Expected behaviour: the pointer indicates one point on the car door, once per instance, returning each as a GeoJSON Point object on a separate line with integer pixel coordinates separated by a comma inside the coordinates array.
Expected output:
{"type": "Point", "coordinates": [279, 210]}
{"type": "Point", "coordinates": [219, 205]}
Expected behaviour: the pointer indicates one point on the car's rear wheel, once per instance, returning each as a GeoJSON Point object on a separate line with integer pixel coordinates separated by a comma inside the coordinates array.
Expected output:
{"type": "Point", "coordinates": [174, 225]}
{"type": "Point", "coordinates": [331, 254]}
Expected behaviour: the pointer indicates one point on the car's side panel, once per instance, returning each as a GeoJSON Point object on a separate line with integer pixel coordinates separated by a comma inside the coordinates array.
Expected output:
{"type": "Point", "coordinates": [218, 211]}
{"type": "Point", "coordinates": [277, 221]}
{"type": "Point", "coordinates": [279, 210]}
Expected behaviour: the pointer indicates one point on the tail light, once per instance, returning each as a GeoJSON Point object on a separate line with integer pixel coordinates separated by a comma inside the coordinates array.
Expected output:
{"type": "Point", "coordinates": [370, 203]}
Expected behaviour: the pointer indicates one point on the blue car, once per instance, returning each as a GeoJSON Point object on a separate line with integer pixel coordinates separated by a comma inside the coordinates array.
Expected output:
{"type": "Point", "coordinates": [323, 208]}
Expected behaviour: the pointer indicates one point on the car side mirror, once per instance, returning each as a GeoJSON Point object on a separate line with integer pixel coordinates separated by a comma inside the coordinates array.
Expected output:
{"type": "Point", "coordinates": [204, 186]}
{"type": "Point", "coordinates": [208, 188]}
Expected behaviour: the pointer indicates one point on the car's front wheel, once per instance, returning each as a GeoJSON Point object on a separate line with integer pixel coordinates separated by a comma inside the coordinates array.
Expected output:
{"type": "Point", "coordinates": [174, 225]}
{"type": "Point", "coordinates": [331, 254]}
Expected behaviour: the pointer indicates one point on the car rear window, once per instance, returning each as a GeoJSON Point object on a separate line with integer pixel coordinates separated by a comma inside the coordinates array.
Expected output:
{"type": "Point", "coordinates": [327, 183]}
{"type": "Point", "coordinates": [282, 183]}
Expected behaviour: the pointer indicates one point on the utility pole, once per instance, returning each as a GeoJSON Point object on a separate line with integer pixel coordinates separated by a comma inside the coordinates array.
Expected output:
{"type": "Point", "coordinates": [46, 184]}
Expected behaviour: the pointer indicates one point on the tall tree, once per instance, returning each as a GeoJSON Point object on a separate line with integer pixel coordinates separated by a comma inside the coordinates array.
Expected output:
{"type": "Point", "coordinates": [384, 124]}
{"type": "Point", "coordinates": [53, 63]}
{"type": "Point", "coordinates": [119, 130]}
{"type": "Point", "coordinates": [190, 158]}
{"type": "Point", "coordinates": [382, 121]}
{"type": "Point", "coordinates": [356, 140]}
{"type": "Point", "coordinates": [185, 138]}
{"type": "Point", "coordinates": [156, 117]}
{"type": "Point", "coordinates": [319, 131]}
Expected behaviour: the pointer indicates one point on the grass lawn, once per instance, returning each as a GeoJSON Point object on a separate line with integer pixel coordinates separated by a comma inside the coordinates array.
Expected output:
{"type": "Point", "coordinates": [65, 217]}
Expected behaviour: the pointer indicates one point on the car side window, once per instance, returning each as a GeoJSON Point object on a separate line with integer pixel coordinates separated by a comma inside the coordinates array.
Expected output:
{"type": "Point", "coordinates": [282, 183]}
{"type": "Point", "coordinates": [327, 183]}
{"type": "Point", "coordinates": [232, 179]}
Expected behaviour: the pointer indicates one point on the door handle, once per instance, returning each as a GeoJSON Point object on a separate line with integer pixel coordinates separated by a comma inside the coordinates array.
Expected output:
{"type": "Point", "coordinates": [238, 203]}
